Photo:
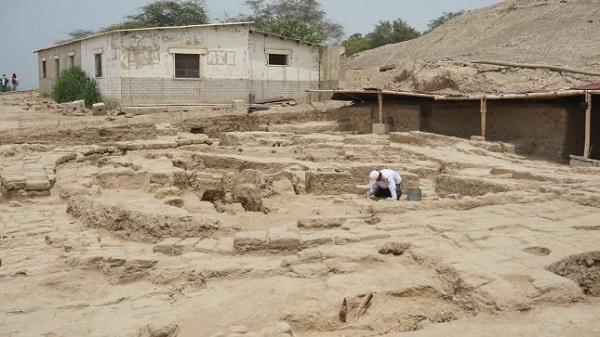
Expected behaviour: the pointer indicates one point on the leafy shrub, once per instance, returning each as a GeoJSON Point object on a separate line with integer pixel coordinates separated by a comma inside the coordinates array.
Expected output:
{"type": "Point", "coordinates": [73, 84]}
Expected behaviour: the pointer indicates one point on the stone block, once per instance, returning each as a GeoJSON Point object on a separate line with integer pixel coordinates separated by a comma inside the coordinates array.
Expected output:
{"type": "Point", "coordinates": [381, 128]}
{"type": "Point", "coordinates": [225, 246]}
{"type": "Point", "coordinates": [165, 129]}
{"type": "Point", "coordinates": [283, 187]}
{"type": "Point", "coordinates": [317, 239]}
{"type": "Point", "coordinates": [206, 246]}
{"type": "Point", "coordinates": [170, 191]}
{"type": "Point", "coordinates": [318, 223]}
{"type": "Point", "coordinates": [329, 183]}
{"type": "Point", "coordinates": [250, 241]}
{"type": "Point", "coordinates": [75, 107]}
{"type": "Point", "coordinates": [13, 182]}
{"type": "Point", "coordinates": [37, 184]}
{"type": "Point", "coordinates": [186, 245]}
{"type": "Point", "coordinates": [282, 239]}
{"type": "Point", "coordinates": [167, 246]}
{"type": "Point", "coordinates": [371, 234]}
{"type": "Point", "coordinates": [344, 238]}
{"type": "Point", "coordinates": [99, 109]}
{"type": "Point", "coordinates": [238, 106]}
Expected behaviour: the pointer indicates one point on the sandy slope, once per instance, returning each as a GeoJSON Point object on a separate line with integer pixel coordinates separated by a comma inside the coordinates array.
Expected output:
{"type": "Point", "coordinates": [552, 32]}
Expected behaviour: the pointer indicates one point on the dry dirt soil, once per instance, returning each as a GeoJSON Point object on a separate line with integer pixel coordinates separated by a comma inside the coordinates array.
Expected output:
{"type": "Point", "coordinates": [172, 224]}
{"type": "Point", "coordinates": [550, 32]}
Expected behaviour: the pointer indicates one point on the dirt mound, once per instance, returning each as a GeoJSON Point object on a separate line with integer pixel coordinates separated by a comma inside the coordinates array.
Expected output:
{"type": "Point", "coordinates": [583, 269]}
{"type": "Point", "coordinates": [515, 31]}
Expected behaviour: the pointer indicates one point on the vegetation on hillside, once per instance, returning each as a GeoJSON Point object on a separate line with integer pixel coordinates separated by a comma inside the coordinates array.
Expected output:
{"type": "Point", "coordinates": [386, 32]}
{"type": "Point", "coordinates": [447, 16]}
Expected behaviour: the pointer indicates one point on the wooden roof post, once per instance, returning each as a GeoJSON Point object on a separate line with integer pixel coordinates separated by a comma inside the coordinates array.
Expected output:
{"type": "Point", "coordinates": [588, 125]}
{"type": "Point", "coordinates": [380, 100]}
{"type": "Point", "coordinates": [483, 111]}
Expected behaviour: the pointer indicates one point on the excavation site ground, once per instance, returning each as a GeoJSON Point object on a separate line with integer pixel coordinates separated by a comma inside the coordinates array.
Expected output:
{"type": "Point", "coordinates": [198, 221]}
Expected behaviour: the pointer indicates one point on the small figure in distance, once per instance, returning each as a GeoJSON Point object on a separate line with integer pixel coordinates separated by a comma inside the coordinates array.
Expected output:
{"type": "Point", "coordinates": [385, 184]}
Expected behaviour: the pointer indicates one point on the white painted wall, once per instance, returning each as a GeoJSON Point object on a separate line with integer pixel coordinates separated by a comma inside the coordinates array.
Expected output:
{"type": "Point", "coordinates": [303, 59]}
{"type": "Point", "coordinates": [150, 54]}
{"type": "Point", "coordinates": [110, 47]}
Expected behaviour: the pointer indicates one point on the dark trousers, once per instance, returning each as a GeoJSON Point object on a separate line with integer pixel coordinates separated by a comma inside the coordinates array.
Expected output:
{"type": "Point", "coordinates": [386, 193]}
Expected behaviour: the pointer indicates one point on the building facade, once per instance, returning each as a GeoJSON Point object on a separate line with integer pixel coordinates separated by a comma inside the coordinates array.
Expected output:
{"type": "Point", "coordinates": [214, 63]}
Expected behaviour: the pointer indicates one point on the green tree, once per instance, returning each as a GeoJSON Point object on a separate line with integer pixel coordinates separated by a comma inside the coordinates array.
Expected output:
{"type": "Point", "coordinates": [386, 32]}
{"type": "Point", "coordinates": [356, 43]}
{"type": "Point", "coordinates": [165, 13]}
{"type": "Point", "coordinates": [160, 13]}
{"type": "Point", "coordinates": [447, 16]}
{"type": "Point", "coordinates": [73, 84]}
{"type": "Point", "coordinates": [300, 19]}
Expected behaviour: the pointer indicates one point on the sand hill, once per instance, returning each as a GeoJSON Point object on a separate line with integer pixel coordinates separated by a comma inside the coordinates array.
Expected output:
{"type": "Point", "coordinates": [551, 32]}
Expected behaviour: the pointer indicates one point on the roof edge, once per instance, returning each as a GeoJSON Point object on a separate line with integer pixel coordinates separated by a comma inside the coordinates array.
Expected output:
{"type": "Point", "coordinates": [242, 23]}
{"type": "Point", "coordinates": [256, 31]}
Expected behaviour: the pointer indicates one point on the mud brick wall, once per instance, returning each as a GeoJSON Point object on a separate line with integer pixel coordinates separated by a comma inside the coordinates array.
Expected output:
{"type": "Point", "coordinates": [330, 183]}
{"type": "Point", "coordinates": [400, 117]}
{"type": "Point", "coordinates": [458, 119]}
{"type": "Point", "coordinates": [548, 129]}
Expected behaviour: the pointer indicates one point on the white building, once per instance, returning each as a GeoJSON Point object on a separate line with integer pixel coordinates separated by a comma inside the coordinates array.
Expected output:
{"type": "Point", "coordinates": [213, 63]}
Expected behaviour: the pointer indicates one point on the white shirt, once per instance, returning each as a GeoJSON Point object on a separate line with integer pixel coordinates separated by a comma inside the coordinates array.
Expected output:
{"type": "Point", "coordinates": [390, 179]}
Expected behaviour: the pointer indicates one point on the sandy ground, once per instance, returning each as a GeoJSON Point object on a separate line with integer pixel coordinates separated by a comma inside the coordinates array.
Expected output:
{"type": "Point", "coordinates": [267, 231]}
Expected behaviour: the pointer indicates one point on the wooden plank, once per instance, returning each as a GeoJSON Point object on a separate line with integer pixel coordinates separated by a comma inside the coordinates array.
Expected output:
{"type": "Point", "coordinates": [380, 100]}
{"type": "Point", "coordinates": [483, 111]}
{"type": "Point", "coordinates": [588, 125]}
{"type": "Point", "coordinates": [534, 95]}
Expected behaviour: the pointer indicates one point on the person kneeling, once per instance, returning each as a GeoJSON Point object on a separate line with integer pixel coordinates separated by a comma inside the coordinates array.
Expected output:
{"type": "Point", "coordinates": [385, 184]}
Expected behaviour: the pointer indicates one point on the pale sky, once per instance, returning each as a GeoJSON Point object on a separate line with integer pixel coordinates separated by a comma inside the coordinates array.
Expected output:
{"type": "Point", "coordinates": [28, 25]}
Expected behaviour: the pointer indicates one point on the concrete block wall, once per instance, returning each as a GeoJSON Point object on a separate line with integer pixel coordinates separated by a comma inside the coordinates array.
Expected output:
{"type": "Point", "coordinates": [211, 91]}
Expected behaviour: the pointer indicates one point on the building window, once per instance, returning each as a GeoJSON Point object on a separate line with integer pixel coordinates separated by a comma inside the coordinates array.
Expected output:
{"type": "Point", "coordinates": [98, 64]}
{"type": "Point", "coordinates": [57, 66]}
{"type": "Point", "coordinates": [71, 61]}
{"type": "Point", "coordinates": [278, 60]}
{"type": "Point", "coordinates": [187, 66]}
{"type": "Point", "coordinates": [44, 72]}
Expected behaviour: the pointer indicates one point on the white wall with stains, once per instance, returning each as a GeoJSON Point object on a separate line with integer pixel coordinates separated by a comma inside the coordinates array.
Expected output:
{"type": "Point", "coordinates": [109, 47]}
{"type": "Point", "coordinates": [303, 59]}
{"type": "Point", "coordinates": [138, 66]}
{"type": "Point", "coordinates": [223, 51]}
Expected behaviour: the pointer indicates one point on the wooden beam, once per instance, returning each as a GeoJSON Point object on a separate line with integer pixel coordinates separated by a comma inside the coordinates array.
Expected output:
{"type": "Point", "coordinates": [534, 95]}
{"type": "Point", "coordinates": [588, 125]}
{"type": "Point", "coordinates": [483, 111]}
{"type": "Point", "coordinates": [380, 100]}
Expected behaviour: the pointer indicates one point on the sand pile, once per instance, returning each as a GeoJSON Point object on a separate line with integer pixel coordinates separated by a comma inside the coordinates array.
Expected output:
{"type": "Point", "coordinates": [551, 32]}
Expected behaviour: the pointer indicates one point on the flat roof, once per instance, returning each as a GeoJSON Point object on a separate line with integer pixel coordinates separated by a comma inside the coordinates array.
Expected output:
{"type": "Point", "coordinates": [147, 29]}
{"type": "Point", "coordinates": [281, 37]}
{"type": "Point", "coordinates": [372, 95]}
